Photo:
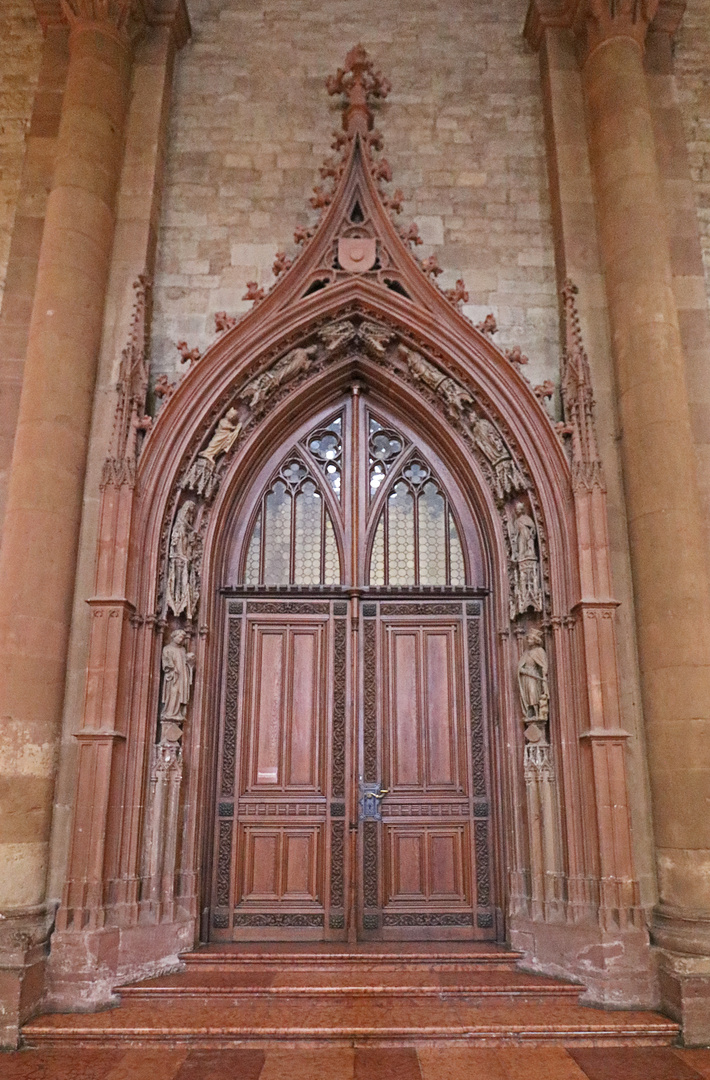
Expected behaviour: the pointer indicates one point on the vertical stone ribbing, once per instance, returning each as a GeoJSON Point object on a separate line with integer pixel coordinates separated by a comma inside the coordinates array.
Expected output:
{"type": "Point", "coordinates": [38, 556]}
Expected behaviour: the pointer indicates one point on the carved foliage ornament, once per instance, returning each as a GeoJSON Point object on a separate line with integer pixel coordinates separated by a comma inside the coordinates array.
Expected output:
{"type": "Point", "coordinates": [596, 21]}
{"type": "Point", "coordinates": [124, 17]}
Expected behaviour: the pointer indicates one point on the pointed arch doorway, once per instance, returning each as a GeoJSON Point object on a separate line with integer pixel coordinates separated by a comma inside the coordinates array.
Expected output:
{"type": "Point", "coordinates": [354, 774]}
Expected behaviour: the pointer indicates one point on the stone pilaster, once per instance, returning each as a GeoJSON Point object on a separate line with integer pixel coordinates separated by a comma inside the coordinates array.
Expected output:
{"type": "Point", "coordinates": [664, 512]}
{"type": "Point", "coordinates": [38, 555]}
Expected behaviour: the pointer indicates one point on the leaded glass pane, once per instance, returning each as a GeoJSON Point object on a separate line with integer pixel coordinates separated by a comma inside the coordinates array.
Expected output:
{"type": "Point", "coordinates": [327, 448]}
{"type": "Point", "coordinates": [401, 535]}
{"type": "Point", "coordinates": [308, 538]}
{"type": "Point", "coordinates": [332, 558]}
{"type": "Point", "coordinates": [432, 535]}
{"type": "Point", "coordinates": [384, 447]}
{"type": "Point", "coordinates": [277, 535]}
{"type": "Point", "coordinates": [251, 571]}
{"type": "Point", "coordinates": [458, 571]}
{"type": "Point", "coordinates": [377, 559]}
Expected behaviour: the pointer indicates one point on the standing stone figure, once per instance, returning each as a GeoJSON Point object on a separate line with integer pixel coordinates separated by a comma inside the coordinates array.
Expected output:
{"type": "Point", "coordinates": [526, 590]}
{"type": "Point", "coordinates": [532, 679]}
{"type": "Point", "coordinates": [178, 670]}
{"type": "Point", "coordinates": [183, 589]}
{"type": "Point", "coordinates": [201, 476]}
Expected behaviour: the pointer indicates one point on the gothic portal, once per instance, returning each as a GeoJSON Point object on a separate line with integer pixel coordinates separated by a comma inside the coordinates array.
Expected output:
{"type": "Point", "coordinates": [369, 611]}
{"type": "Point", "coordinates": [330, 629]}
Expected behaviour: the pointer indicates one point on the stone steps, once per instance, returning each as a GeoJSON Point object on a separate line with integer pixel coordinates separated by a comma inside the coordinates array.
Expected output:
{"type": "Point", "coordinates": [257, 995]}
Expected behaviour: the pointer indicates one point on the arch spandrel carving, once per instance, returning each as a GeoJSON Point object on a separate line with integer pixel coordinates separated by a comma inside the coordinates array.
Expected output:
{"type": "Point", "coordinates": [378, 318]}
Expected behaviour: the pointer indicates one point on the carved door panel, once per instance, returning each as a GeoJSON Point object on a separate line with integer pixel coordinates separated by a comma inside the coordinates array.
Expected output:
{"type": "Point", "coordinates": [424, 805]}
{"type": "Point", "coordinates": [280, 842]}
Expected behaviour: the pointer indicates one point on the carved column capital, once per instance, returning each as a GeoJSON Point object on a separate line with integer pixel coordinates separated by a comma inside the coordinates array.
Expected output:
{"type": "Point", "coordinates": [595, 21]}
{"type": "Point", "coordinates": [124, 18]}
{"type": "Point", "coordinates": [598, 21]}
{"type": "Point", "coordinates": [121, 18]}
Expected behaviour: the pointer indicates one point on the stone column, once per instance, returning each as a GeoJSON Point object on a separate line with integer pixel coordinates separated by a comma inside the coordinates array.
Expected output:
{"type": "Point", "coordinates": [668, 556]}
{"type": "Point", "coordinates": [39, 549]}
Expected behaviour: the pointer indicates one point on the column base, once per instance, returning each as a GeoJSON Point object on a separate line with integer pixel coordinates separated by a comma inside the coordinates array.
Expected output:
{"type": "Point", "coordinates": [24, 947]}
{"type": "Point", "coordinates": [617, 968]}
{"type": "Point", "coordinates": [86, 966]}
{"type": "Point", "coordinates": [681, 930]}
{"type": "Point", "coordinates": [685, 994]}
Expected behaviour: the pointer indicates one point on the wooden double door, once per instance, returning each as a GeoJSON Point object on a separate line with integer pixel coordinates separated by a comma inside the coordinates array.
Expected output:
{"type": "Point", "coordinates": [354, 787]}
{"type": "Point", "coordinates": [353, 780]}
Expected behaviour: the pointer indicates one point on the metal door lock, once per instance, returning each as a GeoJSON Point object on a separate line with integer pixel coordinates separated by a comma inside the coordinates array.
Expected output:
{"type": "Point", "coordinates": [370, 802]}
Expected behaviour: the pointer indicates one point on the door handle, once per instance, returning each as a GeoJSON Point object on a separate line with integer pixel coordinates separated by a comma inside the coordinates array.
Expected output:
{"type": "Point", "coordinates": [371, 794]}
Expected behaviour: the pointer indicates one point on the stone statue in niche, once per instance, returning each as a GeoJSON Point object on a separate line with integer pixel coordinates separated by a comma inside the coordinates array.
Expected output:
{"type": "Point", "coordinates": [534, 688]}
{"type": "Point", "coordinates": [178, 670]}
{"type": "Point", "coordinates": [455, 398]}
{"type": "Point", "coordinates": [183, 587]}
{"type": "Point", "coordinates": [201, 476]}
{"type": "Point", "coordinates": [507, 475]}
{"type": "Point", "coordinates": [526, 589]}
{"type": "Point", "coordinates": [290, 365]}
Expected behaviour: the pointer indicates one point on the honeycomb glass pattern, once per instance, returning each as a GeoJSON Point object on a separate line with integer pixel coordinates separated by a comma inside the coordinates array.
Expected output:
{"type": "Point", "coordinates": [400, 554]}
{"type": "Point", "coordinates": [308, 536]}
{"type": "Point", "coordinates": [251, 571]}
{"type": "Point", "coordinates": [429, 554]}
{"type": "Point", "coordinates": [377, 558]}
{"type": "Point", "coordinates": [277, 536]}
{"type": "Point", "coordinates": [326, 445]}
{"type": "Point", "coordinates": [331, 575]}
{"type": "Point", "coordinates": [458, 570]}
{"type": "Point", "coordinates": [432, 536]}
{"type": "Point", "coordinates": [384, 447]}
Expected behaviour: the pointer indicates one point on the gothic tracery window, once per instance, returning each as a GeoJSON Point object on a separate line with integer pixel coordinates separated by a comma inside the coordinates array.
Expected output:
{"type": "Point", "coordinates": [293, 540]}
{"type": "Point", "coordinates": [410, 534]}
{"type": "Point", "coordinates": [416, 539]}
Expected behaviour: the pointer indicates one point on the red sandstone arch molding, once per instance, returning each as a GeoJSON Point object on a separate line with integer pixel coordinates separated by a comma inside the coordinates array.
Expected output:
{"type": "Point", "coordinates": [107, 897]}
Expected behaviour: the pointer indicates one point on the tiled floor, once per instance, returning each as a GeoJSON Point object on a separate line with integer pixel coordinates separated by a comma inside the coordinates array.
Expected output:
{"type": "Point", "coordinates": [359, 1063]}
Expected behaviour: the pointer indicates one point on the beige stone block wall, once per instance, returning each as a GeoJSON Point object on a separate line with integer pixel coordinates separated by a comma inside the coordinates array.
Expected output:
{"type": "Point", "coordinates": [692, 72]}
{"type": "Point", "coordinates": [20, 54]}
{"type": "Point", "coordinates": [463, 129]}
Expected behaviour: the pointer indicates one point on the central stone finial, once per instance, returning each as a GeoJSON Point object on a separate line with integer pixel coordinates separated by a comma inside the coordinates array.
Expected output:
{"type": "Point", "coordinates": [361, 86]}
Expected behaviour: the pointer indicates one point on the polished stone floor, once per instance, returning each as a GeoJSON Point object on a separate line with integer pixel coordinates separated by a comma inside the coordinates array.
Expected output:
{"type": "Point", "coordinates": [359, 1063]}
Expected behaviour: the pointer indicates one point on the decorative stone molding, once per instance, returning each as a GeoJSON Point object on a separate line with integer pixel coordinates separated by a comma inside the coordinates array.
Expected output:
{"type": "Point", "coordinates": [130, 418]}
{"type": "Point", "coordinates": [125, 17]}
{"type": "Point", "coordinates": [595, 21]}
